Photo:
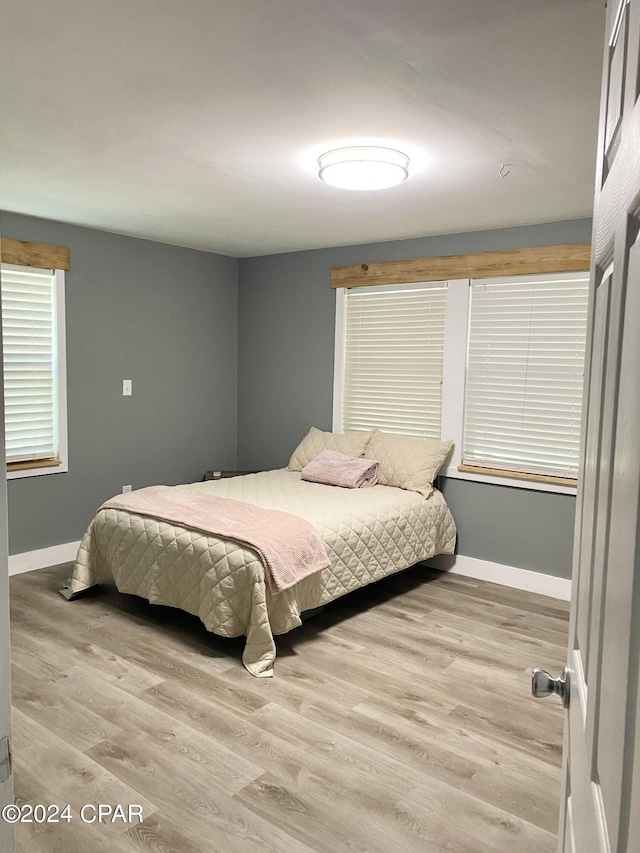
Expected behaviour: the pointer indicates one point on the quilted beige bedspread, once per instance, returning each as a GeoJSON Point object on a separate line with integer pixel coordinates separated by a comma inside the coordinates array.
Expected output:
{"type": "Point", "coordinates": [368, 533]}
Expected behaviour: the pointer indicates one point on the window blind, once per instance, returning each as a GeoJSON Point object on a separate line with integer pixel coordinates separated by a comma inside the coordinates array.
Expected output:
{"type": "Point", "coordinates": [525, 364]}
{"type": "Point", "coordinates": [29, 356]}
{"type": "Point", "coordinates": [393, 359]}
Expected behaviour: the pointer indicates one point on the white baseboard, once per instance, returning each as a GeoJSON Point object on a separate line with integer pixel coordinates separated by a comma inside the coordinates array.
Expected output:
{"type": "Point", "coordinates": [504, 575]}
{"type": "Point", "coordinates": [458, 565]}
{"type": "Point", "coordinates": [42, 559]}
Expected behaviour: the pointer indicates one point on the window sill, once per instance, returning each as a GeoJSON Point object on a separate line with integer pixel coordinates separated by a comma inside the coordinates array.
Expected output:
{"type": "Point", "coordinates": [532, 482]}
{"type": "Point", "coordinates": [38, 468]}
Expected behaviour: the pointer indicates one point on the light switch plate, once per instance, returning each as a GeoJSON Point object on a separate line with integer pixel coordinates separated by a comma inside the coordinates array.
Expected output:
{"type": "Point", "coordinates": [127, 388]}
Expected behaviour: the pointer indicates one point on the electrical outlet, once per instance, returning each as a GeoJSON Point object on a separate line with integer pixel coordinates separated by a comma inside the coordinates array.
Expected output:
{"type": "Point", "coordinates": [126, 489]}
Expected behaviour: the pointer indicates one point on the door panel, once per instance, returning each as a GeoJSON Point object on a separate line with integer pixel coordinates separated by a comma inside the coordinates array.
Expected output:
{"type": "Point", "coordinates": [617, 78]}
{"type": "Point", "coordinates": [590, 487]}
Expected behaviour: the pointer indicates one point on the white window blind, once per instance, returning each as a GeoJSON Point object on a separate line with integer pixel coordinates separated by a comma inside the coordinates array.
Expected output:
{"type": "Point", "coordinates": [393, 359]}
{"type": "Point", "coordinates": [525, 363]}
{"type": "Point", "coordinates": [29, 330]}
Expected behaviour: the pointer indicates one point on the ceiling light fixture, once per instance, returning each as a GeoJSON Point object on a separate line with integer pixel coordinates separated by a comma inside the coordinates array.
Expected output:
{"type": "Point", "coordinates": [363, 167]}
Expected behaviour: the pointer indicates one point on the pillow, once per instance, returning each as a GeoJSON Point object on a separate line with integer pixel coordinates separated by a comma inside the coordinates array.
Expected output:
{"type": "Point", "coordinates": [409, 463]}
{"type": "Point", "coordinates": [315, 441]}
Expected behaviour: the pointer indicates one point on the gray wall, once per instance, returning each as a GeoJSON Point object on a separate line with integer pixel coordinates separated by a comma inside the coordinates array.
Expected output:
{"type": "Point", "coordinates": [199, 351]}
{"type": "Point", "coordinates": [162, 316]}
{"type": "Point", "coordinates": [286, 316]}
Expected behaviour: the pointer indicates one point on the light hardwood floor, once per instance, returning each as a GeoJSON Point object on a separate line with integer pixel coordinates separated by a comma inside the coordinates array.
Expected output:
{"type": "Point", "coordinates": [398, 720]}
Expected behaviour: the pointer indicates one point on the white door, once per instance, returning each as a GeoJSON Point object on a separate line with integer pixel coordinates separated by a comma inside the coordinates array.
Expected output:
{"type": "Point", "coordinates": [601, 802]}
{"type": "Point", "coordinates": [6, 786]}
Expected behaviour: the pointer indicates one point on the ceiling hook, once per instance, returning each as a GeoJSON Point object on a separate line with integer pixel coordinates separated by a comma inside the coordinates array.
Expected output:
{"type": "Point", "coordinates": [502, 173]}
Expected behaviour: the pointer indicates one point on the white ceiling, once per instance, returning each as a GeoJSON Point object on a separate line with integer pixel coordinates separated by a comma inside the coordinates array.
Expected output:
{"type": "Point", "coordinates": [197, 122]}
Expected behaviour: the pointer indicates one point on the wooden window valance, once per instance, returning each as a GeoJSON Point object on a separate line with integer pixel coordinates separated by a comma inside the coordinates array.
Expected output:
{"type": "Point", "coordinates": [39, 255]}
{"type": "Point", "coordinates": [571, 257]}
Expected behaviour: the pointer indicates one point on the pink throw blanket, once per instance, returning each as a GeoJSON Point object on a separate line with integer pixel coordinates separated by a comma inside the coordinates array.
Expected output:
{"type": "Point", "coordinates": [288, 546]}
{"type": "Point", "coordinates": [336, 469]}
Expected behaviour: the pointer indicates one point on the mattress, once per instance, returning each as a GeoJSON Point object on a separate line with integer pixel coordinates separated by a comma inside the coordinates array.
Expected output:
{"type": "Point", "coordinates": [368, 534]}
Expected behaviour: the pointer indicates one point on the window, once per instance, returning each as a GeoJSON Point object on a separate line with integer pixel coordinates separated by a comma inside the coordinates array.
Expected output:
{"type": "Point", "coordinates": [496, 364]}
{"type": "Point", "coordinates": [392, 359]}
{"type": "Point", "coordinates": [34, 370]}
{"type": "Point", "coordinates": [525, 361]}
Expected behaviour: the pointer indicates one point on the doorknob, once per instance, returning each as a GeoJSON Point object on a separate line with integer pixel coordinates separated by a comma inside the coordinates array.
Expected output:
{"type": "Point", "coordinates": [543, 684]}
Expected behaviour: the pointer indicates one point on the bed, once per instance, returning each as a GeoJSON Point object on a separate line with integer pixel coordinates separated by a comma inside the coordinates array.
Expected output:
{"type": "Point", "coordinates": [368, 533]}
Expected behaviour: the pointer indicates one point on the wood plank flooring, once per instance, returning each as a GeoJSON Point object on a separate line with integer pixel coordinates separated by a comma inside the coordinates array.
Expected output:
{"type": "Point", "coordinates": [398, 720]}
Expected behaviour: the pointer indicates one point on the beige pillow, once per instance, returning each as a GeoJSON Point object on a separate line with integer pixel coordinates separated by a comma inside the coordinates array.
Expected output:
{"type": "Point", "coordinates": [409, 463]}
{"type": "Point", "coordinates": [315, 441]}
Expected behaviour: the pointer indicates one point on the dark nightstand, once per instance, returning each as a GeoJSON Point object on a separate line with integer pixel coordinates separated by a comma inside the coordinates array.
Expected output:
{"type": "Point", "coordinates": [223, 475]}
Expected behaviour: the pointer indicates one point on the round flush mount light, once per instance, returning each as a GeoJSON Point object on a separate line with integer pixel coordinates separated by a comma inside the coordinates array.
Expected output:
{"type": "Point", "coordinates": [363, 168]}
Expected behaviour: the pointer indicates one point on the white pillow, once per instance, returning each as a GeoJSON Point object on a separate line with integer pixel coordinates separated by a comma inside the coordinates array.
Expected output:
{"type": "Point", "coordinates": [409, 463]}
{"type": "Point", "coordinates": [315, 441]}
